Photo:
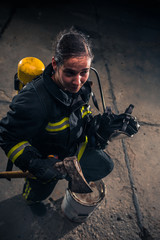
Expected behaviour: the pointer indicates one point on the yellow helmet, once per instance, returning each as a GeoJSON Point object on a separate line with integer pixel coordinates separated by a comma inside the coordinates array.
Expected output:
{"type": "Point", "coordinates": [28, 69]}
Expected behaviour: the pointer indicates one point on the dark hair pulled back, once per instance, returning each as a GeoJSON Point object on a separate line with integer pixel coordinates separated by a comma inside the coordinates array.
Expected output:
{"type": "Point", "coordinates": [71, 43]}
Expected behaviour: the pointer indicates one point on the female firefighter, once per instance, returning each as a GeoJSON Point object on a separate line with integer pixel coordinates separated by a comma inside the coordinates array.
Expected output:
{"type": "Point", "coordinates": [51, 115]}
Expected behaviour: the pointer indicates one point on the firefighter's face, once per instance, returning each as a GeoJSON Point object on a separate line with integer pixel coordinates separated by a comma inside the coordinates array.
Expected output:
{"type": "Point", "coordinates": [72, 74]}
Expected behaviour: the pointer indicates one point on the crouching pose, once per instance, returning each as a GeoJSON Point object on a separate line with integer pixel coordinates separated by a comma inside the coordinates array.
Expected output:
{"type": "Point", "coordinates": [51, 116]}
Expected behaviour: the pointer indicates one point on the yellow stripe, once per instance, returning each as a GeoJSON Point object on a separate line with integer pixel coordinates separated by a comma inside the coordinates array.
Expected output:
{"type": "Point", "coordinates": [58, 126]}
{"type": "Point", "coordinates": [85, 113]}
{"type": "Point", "coordinates": [82, 149]}
{"type": "Point", "coordinates": [58, 129]}
{"type": "Point", "coordinates": [15, 147]}
{"type": "Point", "coordinates": [27, 190]}
{"type": "Point", "coordinates": [17, 155]}
{"type": "Point", "coordinates": [58, 123]}
{"type": "Point", "coordinates": [82, 109]}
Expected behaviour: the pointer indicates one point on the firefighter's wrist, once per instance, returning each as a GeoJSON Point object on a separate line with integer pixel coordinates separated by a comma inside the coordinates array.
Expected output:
{"type": "Point", "coordinates": [24, 159]}
{"type": "Point", "coordinates": [22, 164]}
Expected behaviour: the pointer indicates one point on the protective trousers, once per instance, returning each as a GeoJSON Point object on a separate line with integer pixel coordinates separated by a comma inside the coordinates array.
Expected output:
{"type": "Point", "coordinates": [95, 164]}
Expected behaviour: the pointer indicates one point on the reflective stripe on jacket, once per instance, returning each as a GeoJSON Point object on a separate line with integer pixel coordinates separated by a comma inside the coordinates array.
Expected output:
{"type": "Point", "coordinates": [60, 131]}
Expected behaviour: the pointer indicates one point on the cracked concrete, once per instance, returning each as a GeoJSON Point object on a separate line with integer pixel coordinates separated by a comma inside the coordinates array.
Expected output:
{"type": "Point", "coordinates": [4, 96]}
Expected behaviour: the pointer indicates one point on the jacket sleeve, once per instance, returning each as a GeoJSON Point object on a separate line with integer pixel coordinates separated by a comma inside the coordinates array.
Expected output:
{"type": "Point", "coordinates": [21, 124]}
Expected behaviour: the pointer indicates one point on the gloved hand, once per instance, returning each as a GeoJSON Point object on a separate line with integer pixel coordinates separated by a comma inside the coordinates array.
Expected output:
{"type": "Point", "coordinates": [111, 124]}
{"type": "Point", "coordinates": [45, 169]}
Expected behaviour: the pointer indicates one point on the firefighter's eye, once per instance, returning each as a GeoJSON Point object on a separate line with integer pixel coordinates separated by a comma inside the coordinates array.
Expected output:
{"type": "Point", "coordinates": [69, 73]}
{"type": "Point", "coordinates": [83, 73]}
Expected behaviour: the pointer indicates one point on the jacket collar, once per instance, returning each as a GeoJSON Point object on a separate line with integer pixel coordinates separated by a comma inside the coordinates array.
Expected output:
{"type": "Point", "coordinates": [59, 94]}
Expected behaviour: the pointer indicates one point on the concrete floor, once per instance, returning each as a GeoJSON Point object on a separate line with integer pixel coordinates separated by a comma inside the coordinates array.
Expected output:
{"type": "Point", "coordinates": [126, 45]}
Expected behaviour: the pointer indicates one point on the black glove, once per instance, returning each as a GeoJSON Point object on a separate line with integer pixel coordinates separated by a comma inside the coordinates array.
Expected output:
{"type": "Point", "coordinates": [112, 124]}
{"type": "Point", "coordinates": [43, 169]}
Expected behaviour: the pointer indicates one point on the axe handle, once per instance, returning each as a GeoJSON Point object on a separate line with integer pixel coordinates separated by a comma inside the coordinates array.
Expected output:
{"type": "Point", "coordinates": [15, 174]}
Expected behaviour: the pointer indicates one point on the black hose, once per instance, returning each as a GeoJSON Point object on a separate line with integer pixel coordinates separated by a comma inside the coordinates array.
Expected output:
{"type": "Point", "coordinates": [100, 88]}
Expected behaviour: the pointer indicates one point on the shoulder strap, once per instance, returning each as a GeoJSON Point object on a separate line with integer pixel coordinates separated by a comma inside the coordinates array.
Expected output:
{"type": "Point", "coordinates": [42, 94]}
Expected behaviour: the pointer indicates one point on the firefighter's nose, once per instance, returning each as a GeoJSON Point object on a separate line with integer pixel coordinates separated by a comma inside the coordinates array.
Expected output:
{"type": "Point", "coordinates": [77, 80]}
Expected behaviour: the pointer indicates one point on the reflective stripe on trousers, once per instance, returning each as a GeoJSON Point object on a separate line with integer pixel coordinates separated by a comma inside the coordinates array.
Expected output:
{"type": "Point", "coordinates": [27, 190]}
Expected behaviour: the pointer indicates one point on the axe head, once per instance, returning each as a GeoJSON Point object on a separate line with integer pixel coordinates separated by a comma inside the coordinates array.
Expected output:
{"type": "Point", "coordinates": [78, 183]}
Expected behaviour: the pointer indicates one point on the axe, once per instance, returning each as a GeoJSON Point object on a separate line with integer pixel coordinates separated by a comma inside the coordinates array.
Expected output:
{"type": "Point", "coordinates": [77, 184]}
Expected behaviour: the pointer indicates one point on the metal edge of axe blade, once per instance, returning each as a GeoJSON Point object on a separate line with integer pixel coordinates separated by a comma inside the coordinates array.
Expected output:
{"type": "Point", "coordinates": [78, 184]}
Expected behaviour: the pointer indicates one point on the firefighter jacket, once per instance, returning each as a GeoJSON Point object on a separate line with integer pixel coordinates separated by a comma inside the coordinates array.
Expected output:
{"type": "Point", "coordinates": [44, 117]}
